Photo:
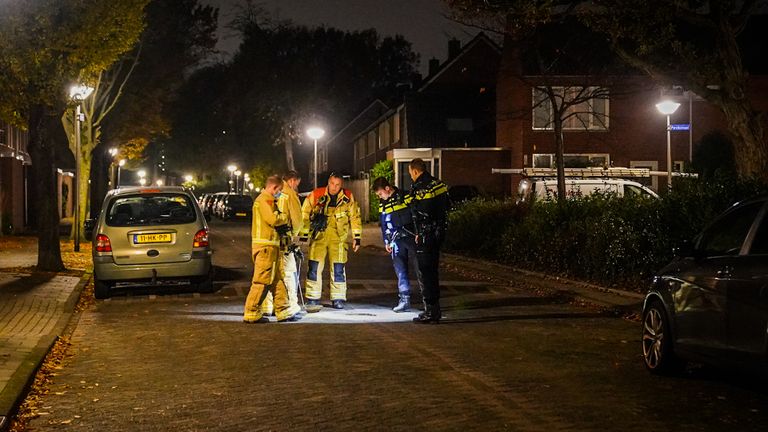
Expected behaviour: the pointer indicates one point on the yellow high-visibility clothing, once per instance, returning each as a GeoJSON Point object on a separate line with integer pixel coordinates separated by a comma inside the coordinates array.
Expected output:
{"type": "Point", "coordinates": [267, 262]}
{"type": "Point", "coordinates": [288, 203]}
{"type": "Point", "coordinates": [342, 218]}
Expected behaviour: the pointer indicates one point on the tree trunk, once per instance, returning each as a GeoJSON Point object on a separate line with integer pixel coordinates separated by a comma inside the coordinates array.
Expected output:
{"type": "Point", "coordinates": [42, 149]}
{"type": "Point", "coordinates": [288, 144]}
{"type": "Point", "coordinates": [750, 148]}
{"type": "Point", "coordinates": [100, 172]}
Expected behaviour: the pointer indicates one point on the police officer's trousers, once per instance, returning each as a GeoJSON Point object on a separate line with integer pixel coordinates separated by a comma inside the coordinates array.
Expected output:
{"type": "Point", "coordinates": [403, 251]}
{"type": "Point", "coordinates": [428, 263]}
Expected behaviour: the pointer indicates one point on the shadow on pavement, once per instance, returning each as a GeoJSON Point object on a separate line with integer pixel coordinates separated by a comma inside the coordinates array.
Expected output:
{"type": "Point", "coordinates": [520, 317]}
{"type": "Point", "coordinates": [508, 301]}
{"type": "Point", "coordinates": [27, 282]}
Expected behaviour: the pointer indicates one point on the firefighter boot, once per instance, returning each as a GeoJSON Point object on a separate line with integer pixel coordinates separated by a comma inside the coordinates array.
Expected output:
{"type": "Point", "coordinates": [403, 305]}
{"type": "Point", "coordinates": [338, 304]}
{"type": "Point", "coordinates": [313, 305]}
{"type": "Point", "coordinates": [431, 315]}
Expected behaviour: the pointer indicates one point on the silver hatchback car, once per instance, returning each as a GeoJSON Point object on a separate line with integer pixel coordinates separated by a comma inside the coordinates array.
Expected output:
{"type": "Point", "coordinates": [151, 235]}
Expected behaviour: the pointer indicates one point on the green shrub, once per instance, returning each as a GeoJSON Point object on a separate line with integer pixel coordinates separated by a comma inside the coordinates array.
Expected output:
{"type": "Point", "coordinates": [601, 237]}
{"type": "Point", "coordinates": [380, 169]}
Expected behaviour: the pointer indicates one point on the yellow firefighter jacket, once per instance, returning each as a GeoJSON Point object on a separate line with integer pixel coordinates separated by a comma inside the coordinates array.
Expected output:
{"type": "Point", "coordinates": [289, 204]}
{"type": "Point", "coordinates": [265, 219]}
{"type": "Point", "coordinates": [342, 218]}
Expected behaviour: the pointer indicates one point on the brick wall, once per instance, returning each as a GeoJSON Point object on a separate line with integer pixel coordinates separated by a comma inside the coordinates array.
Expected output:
{"type": "Point", "coordinates": [473, 167]}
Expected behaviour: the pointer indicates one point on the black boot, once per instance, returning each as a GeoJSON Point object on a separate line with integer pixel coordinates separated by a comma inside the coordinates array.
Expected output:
{"type": "Point", "coordinates": [313, 305]}
{"type": "Point", "coordinates": [338, 304]}
{"type": "Point", "coordinates": [431, 315]}
{"type": "Point", "coordinates": [403, 305]}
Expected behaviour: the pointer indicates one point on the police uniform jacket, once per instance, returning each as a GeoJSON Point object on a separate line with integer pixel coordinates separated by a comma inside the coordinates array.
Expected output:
{"type": "Point", "coordinates": [395, 217]}
{"type": "Point", "coordinates": [428, 201]}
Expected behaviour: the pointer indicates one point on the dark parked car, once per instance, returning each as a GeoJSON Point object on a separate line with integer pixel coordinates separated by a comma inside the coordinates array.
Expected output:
{"type": "Point", "coordinates": [711, 303]}
{"type": "Point", "coordinates": [236, 207]}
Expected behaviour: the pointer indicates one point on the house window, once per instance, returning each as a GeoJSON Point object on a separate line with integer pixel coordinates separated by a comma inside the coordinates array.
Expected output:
{"type": "Point", "coordinates": [361, 148]}
{"type": "Point", "coordinates": [459, 124]}
{"type": "Point", "coordinates": [590, 113]}
{"type": "Point", "coordinates": [396, 127]}
{"type": "Point", "coordinates": [384, 135]}
{"type": "Point", "coordinates": [371, 142]}
{"type": "Point", "coordinates": [583, 160]}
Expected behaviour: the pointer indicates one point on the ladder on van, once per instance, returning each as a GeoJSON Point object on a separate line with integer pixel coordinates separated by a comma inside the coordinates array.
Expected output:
{"type": "Point", "coordinates": [594, 172]}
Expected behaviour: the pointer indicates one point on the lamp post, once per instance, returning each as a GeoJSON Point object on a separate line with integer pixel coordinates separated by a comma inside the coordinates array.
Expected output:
{"type": "Point", "coordinates": [315, 133]}
{"type": "Point", "coordinates": [120, 164]}
{"type": "Point", "coordinates": [668, 108]}
{"type": "Point", "coordinates": [78, 93]}
{"type": "Point", "coordinates": [142, 177]}
{"type": "Point", "coordinates": [237, 181]}
{"type": "Point", "coordinates": [112, 153]}
{"type": "Point", "coordinates": [231, 169]}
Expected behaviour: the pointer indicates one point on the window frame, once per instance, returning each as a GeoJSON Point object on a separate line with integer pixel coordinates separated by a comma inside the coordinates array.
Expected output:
{"type": "Point", "coordinates": [594, 124]}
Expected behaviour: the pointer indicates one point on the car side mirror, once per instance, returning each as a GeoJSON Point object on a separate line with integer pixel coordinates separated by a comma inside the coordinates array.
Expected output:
{"type": "Point", "coordinates": [88, 228]}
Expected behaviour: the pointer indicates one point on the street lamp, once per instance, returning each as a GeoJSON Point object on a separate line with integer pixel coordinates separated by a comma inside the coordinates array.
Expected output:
{"type": "Point", "coordinates": [237, 181]}
{"type": "Point", "coordinates": [78, 93]}
{"type": "Point", "coordinates": [668, 108]}
{"type": "Point", "coordinates": [120, 164]}
{"type": "Point", "coordinates": [159, 182]}
{"type": "Point", "coordinates": [142, 181]}
{"type": "Point", "coordinates": [231, 168]}
{"type": "Point", "coordinates": [315, 133]}
{"type": "Point", "coordinates": [112, 153]}
{"type": "Point", "coordinates": [188, 178]}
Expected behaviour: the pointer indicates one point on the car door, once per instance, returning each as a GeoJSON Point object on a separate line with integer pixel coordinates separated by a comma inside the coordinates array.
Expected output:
{"type": "Point", "coordinates": [747, 293]}
{"type": "Point", "coordinates": [700, 301]}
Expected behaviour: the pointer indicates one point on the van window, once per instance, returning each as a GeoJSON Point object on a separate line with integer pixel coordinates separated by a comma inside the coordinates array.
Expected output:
{"type": "Point", "coordinates": [634, 191]}
{"type": "Point", "coordinates": [150, 209]}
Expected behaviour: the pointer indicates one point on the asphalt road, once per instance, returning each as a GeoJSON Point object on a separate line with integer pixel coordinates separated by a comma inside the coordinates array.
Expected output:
{"type": "Point", "coordinates": [503, 359]}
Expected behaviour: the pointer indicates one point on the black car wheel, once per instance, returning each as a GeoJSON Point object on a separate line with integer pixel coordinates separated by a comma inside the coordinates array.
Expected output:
{"type": "Point", "coordinates": [658, 353]}
{"type": "Point", "coordinates": [204, 284]}
{"type": "Point", "coordinates": [101, 289]}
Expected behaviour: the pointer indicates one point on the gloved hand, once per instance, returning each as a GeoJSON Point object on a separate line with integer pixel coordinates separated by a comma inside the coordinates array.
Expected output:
{"type": "Point", "coordinates": [356, 245]}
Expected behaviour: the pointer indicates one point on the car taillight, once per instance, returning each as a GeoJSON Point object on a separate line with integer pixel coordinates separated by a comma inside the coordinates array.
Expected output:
{"type": "Point", "coordinates": [103, 244]}
{"type": "Point", "coordinates": [201, 239]}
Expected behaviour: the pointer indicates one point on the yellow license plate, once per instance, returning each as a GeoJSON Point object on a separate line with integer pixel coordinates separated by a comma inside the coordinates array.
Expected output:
{"type": "Point", "coordinates": [151, 238]}
{"type": "Point", "coordinates": [241, 214]}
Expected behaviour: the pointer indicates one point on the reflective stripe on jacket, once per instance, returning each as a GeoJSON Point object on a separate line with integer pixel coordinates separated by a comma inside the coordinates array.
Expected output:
{"type": "Point", "coordinates": [265, 218]}
{"type": "Point", "coordinates": [342, 218]}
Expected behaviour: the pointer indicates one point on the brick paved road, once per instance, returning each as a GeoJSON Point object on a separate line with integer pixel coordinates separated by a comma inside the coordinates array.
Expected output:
{"type": "Point", "coordinates": [502, 360]}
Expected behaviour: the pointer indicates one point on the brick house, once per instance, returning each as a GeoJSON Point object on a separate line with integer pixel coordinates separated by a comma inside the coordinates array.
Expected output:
{"type": "Point", "coordinates": [632, 134]}
{"type": "Point", "coordinates": [449, 120]}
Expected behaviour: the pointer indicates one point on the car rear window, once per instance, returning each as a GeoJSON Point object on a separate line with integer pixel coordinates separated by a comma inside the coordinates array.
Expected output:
{"type": "Point", "coordinates": [151, 209]}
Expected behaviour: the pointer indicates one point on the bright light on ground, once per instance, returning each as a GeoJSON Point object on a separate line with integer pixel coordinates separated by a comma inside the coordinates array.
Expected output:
{"type": "Point", "coordinates": [353, 313]}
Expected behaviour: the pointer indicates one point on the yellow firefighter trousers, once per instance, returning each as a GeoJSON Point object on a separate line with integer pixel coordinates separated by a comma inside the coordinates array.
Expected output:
{"type": "Point", "coordinates": [327, 244]}
{"type": "Point", "coordinates": [267, 272]}
{"type": "Point", "coordinates": [291, 281]}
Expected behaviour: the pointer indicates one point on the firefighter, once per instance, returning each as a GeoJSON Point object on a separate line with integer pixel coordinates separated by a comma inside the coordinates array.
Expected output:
{"type": "Point", "coordinates": [268, 224]}
{"type": "Point", "coordinates": [398, 232]}
{"type": "Point", "coordinates": [429, 207]}
{"type": "Point", "coordinates": [289, 204]}
{"type": "Point", "coordinates": [329, 213]}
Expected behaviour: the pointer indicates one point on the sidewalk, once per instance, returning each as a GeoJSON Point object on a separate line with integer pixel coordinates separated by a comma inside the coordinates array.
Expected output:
{"type": "Point", "coordinates": [622, 301]}
{"type": "Point", "coordinates": [35, 308]}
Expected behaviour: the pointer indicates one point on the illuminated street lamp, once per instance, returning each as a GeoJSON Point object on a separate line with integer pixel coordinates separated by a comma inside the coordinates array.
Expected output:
{"type": "Point", "coordinates": [78, 93]}
{"type": "Point", "coordinates": [315, 133]}
{"type": "Point", "coordinates": [231, 168]}
{"type": "Point", "coordinates": [120, 164]}
{"type": "Point", "coordinates": [188, 178]}
{"type": "Point", "coordinates": [142, 181]}
{"type": "Point", "coordinates": [159, 182]}
{"type": "Point", "coordinates": [237, 181]}
{"type": "Point", "coordinates": [668, 108]}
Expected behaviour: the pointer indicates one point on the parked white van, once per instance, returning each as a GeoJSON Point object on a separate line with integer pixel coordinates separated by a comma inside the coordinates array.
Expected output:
{"type": "Point", "coordinates": [546, 188]}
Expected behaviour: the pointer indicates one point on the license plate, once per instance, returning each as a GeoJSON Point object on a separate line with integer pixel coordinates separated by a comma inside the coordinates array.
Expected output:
{"type": "Point", "coordinates": [241, 214]}
{"type": "Point", "coordinates": [151, 238]}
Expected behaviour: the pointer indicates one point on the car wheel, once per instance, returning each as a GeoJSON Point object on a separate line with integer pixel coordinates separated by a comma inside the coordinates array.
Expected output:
{"type": "Point", "coordinates": [101, 289]}
{"type": "Point", "coordinates": [204, 284]}
{"type": "Point", "coordinates": [658, 353]}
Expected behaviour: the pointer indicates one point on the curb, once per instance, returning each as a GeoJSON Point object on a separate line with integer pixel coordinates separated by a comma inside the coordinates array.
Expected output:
{"type": "Point", "coordinates": [18, 386]}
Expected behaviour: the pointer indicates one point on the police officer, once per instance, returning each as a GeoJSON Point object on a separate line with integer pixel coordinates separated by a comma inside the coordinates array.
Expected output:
{"type": "Point", "coordinates": [329, 213]}
{"type": "Point", "coordinates": [288, 203]}
{"type": "Point", "coordinates": [267, 261]}
{"type": "Point", "coordinates": [428, 201]}
{"type": "Point", "coordinates": [399, 233]}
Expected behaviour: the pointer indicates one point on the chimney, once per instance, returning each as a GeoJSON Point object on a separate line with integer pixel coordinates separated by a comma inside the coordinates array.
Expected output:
{"type": "Point", "coordinates": [434, 65]}
{"type": "Point", "coordinates": [454, 46]}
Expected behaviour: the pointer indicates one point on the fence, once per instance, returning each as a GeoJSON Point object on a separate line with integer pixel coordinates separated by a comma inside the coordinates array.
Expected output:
{"type": "Point", "coordinates": [361, 190]}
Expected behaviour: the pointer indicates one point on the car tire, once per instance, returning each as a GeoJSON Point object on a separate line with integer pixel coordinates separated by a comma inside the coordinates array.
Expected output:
{"type": "Point", "coordinates": [658, 351]}
{"type": "Point", "coordinates": [204, 284]}
{"type": "Point", "coordinates": [101, 289]}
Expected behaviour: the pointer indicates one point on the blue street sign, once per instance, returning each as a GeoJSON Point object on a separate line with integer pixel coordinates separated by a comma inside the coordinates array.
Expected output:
{"type": "Point", "coordinates": [680, 127]}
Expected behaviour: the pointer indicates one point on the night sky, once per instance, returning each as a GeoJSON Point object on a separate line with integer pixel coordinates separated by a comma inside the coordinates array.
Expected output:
{"type": "Point", "coordinates": [422, 22]}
